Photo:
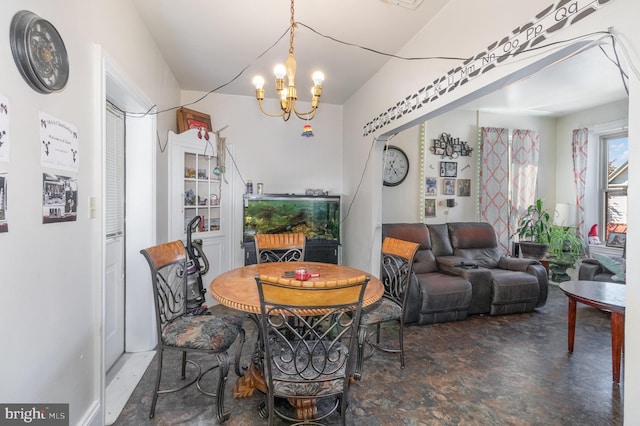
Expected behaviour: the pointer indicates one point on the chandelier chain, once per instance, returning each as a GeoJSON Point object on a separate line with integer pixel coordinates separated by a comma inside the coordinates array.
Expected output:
{"type": "Point", "coordinates": [292, 26]}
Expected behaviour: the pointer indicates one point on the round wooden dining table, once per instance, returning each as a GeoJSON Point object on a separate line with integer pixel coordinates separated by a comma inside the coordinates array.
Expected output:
{"type": "Point", "coordinates": [238, 289]}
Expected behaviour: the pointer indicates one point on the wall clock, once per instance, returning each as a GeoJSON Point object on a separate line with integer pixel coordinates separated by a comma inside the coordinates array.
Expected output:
{"type": "Point", "coordinates": [396, 166]}
{"type": "Point", "coordinates": [39, 52]}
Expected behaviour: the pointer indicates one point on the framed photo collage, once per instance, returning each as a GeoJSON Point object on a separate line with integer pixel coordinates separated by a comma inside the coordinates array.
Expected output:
{"type": "Point", "coordinates": [446, 184]}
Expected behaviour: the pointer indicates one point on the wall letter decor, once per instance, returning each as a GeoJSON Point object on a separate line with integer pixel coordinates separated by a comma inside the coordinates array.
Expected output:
{"type": "Point", "coordinates": [448, 146]}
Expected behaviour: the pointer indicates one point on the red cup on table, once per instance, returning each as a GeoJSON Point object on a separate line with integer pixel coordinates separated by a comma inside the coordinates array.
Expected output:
{"type": "Point", "coordinates": [302, 273]}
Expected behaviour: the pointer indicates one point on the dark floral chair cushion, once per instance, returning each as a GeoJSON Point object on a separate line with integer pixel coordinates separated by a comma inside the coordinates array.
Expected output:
{"type": "Point", "coordinates": [385, 310]}
{"type": "Point", "coordinates": [207, 332]}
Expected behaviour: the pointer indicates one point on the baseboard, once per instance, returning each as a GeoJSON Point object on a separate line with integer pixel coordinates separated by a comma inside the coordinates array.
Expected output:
{"type": "Point", "coordinates": [93, 416]}
{"type": "Point", "coordinates": [122, 382]}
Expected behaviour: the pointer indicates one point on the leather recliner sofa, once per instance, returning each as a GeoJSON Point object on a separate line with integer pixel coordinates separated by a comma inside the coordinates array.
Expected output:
{"type": "Point", "coordinates": [458, 270]}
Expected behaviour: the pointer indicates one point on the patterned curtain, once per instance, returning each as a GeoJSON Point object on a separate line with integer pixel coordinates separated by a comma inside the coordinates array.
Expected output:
{"type": "Point", "coordinates": [525, 147]}
{"type": "Point", "coordinates": [579, 144]}
{"type": "Point", "coordinates": [494, 181]}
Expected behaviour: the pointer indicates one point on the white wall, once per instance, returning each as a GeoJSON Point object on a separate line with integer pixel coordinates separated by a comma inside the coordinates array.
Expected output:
{"type": "Point", "coordinates": [480, 24]}
{"type": "Point", "coordinates": [464, 124]}
{"type": "Point", "coordinates": [401, 202]}
{"type": "Point", "coordinates": [274, 152]}
{"type": "Point", "coordinates": [632, 315]}
{"type": "Point", "coordinates": [459, 124]}
{"type": "Point", "coordinates": [386, 88]}
{"type": "Point", "coordinates": [51, 283]}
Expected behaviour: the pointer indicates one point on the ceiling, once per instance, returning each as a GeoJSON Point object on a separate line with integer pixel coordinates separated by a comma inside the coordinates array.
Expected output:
{"type": "Point", "coordinates": [209, 43]}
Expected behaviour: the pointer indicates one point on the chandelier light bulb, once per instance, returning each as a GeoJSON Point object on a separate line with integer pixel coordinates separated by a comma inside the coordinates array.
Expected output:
{"type": "Point", "coordinates": [279, 71]}
{"type": "Point", "coordinates": [258, 82]}
{"type": "Point", "coordinates": [318, 78]}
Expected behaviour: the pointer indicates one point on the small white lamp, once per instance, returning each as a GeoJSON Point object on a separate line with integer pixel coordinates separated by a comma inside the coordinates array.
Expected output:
{"type": "Point", "coordinates": [566, 215]}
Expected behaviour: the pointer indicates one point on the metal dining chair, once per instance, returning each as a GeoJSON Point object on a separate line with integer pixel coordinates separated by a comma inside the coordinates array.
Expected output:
{"type": "Point", "coordinates": [397, 263]}
{"type": "Point", "coordinates": [315, 358]}
{"type": "Point", "coordinates": [178, 330]}
{"type": "Point", "coordinates": [287, 247]}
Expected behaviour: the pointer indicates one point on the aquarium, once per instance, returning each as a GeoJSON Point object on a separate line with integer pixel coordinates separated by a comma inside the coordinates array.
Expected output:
{"type": "Point", "coordinates": [318, 218]}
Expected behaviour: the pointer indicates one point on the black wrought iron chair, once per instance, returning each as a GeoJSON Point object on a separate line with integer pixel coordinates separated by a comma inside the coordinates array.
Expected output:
{"type": "Point", "coordinates": [184, 332]}
{"type": "Point", "coordinates": [288, 247]}
{"type": "Point", "coordinates": [397, 262]}
{"type": "Point", "coordinates": [315, 358]}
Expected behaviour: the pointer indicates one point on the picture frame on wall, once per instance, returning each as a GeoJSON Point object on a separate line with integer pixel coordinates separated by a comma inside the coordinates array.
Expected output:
{"type": "Point", "coordinates": [448, 169]}
{"type": "Point", "coordinates": [464, 187]}
{"type": "Point", "coordinates": [59, 198]}
{"type": "Point", "coordinates": [616, 239]}
{"type": "Point", "coordinates": [448, 187]}
{"type": "Point", "coordinates": [429, 207]}
{"type": "Point", "coordinates": [431, 186]}
{"type": "Point", "coordinates": [190, 119]}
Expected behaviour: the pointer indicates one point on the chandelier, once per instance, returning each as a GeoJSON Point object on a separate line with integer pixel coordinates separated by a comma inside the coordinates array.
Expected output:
{"type": "Point", "coordinates": [288, 93]}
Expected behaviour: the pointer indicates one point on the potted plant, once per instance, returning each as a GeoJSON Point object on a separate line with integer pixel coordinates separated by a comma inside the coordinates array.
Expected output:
{"type": "Point", "coordinates": [565, 249]}
{"type": "Point", "coordinates": [564, 244]}
{"type": "Point", "coordinates": [534, 231]}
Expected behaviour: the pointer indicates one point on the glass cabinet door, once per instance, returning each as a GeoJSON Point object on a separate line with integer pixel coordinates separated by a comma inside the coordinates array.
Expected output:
{"type": "Point", "coordinates": [201, 196]}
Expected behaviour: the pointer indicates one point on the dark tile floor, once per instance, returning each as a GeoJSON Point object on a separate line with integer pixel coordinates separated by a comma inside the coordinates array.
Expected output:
{"type": "Point", "coordinates": [505, 370]}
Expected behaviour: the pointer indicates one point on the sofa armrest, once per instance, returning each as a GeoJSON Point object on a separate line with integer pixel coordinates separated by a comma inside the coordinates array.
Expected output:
{"type": "Point", "coordinates": [542, 274]}
{"type": "Point", "coordinates": [516, 263]}
{"type": "Point", "coordinates": [589, 268]}
{"type": "Point", "coordinates": [530, 266]}
{"type": "Point", "coordinates": [413, 301]}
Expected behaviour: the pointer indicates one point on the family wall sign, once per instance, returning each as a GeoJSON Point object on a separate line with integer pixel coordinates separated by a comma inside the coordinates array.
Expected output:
{"type": "Point", "coordinates": [561, 14]}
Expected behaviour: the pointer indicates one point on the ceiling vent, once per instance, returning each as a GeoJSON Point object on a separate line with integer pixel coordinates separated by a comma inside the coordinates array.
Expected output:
{"type": "Point", "coordinates": [407, 4]}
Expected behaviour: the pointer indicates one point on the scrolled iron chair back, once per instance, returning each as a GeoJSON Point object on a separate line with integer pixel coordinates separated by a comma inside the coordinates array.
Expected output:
{"type": "Point", "coordinates": [310, 347]}
{"type": "Point", "coordinates": [169, 263]}
{"type": "Point", "coordinates": [397, 264]}
{"type": "Point", "coordinates": [170, 290]}
{"type": "Point", "coordinates": [288, 247]}
{"type": "Point", "coordinates": [396, 275]}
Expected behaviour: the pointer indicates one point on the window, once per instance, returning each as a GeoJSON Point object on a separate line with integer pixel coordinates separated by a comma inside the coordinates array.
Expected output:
{"type": "Point", "coordinates": [615, 171]}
